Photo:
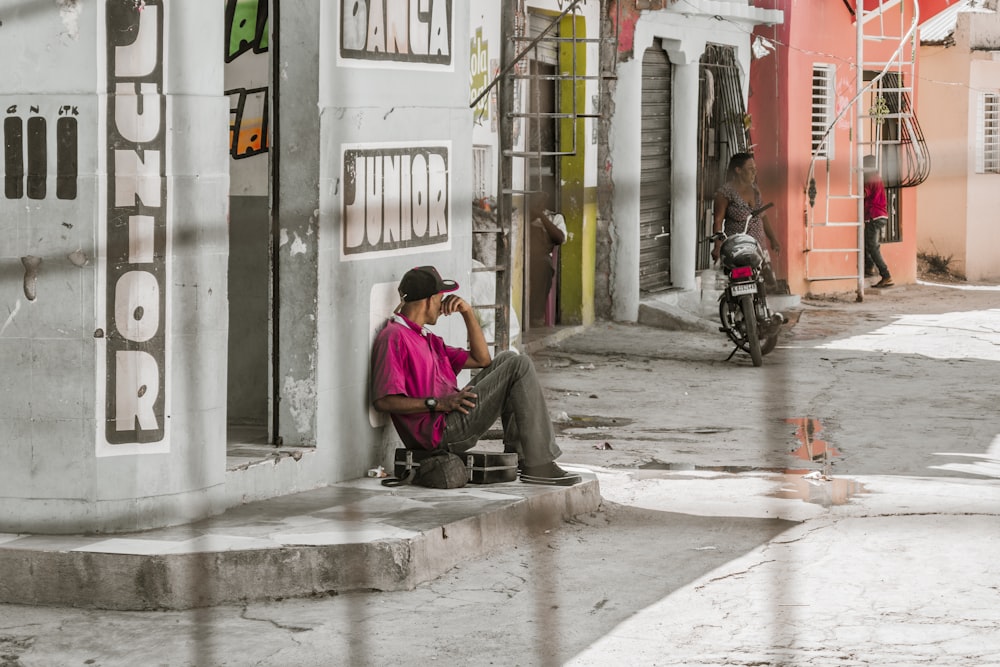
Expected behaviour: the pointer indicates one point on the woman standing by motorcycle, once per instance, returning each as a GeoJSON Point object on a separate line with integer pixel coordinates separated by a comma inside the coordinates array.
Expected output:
{"type": "Point", "coordinates": [736, 199]}
{"type": "Point", "coordinates": [739, 230]}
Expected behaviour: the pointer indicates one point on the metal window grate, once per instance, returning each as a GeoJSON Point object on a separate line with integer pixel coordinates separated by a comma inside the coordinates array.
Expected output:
{"type": "Point", "coordinates": [988, 158]}
{"type": "Point", "coordinates": [823, 109]}
{"type": "Point", "coordinates": [722, 132]}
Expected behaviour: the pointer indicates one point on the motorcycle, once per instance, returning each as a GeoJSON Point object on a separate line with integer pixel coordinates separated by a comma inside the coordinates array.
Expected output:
{"type": "Point", "coordinates": [746, 318]}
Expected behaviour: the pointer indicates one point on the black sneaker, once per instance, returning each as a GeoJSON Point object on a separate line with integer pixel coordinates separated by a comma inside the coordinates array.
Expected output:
{"type": "Point", "coordinates": [549, 473]}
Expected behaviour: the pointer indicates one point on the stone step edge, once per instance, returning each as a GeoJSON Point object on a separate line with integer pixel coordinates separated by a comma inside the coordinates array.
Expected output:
{"type": "Point", "coordinates": [132, 582]}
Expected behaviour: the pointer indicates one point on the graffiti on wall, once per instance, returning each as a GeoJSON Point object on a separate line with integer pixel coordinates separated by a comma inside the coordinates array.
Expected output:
{"type": "Point", "coordinates": [28, 143]}
{"type": "Point", "coordinates": [248, 120]}
{"type": "Point", "coordinates": [246, 27]}
{"type": "Point", "coordinates": [479, 75]}
{"type": "Point", "coordinates": [247, 36]}
{"type": "Point", "coordinates": [395, 198]}
{"type": "Point", "coordinates": [393, 32]}
{"type": "Point", "coordinates": [135, 232]}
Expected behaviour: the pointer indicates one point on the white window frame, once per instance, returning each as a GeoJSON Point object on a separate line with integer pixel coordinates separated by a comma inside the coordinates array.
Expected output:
{"type": "Point", "coordinates": [823, 109]}
{"type": "Point", "coordinates": [988, 132]}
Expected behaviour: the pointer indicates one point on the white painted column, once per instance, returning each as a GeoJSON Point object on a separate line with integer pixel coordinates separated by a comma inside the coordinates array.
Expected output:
{"type": "Point", "coordinates": [684, 172]}
{"type": "Point", "coordinates": [626, 152]}
{"type": "Point", "coordinates": [113, 414]}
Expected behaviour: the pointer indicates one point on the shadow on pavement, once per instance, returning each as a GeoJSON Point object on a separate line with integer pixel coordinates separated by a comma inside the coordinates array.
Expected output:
{"type": "Point", "coordinates": [539, 603]}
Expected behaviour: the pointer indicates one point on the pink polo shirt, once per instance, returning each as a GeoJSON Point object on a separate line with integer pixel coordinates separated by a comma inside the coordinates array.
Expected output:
{"type": "Point", "coordinates": [875, 201]}
{"type": "Point", "coordinates": [410, 361]}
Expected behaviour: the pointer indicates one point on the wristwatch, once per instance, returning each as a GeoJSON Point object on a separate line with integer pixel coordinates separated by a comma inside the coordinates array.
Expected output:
{"type": "Point", "coordinates": [431, 403]}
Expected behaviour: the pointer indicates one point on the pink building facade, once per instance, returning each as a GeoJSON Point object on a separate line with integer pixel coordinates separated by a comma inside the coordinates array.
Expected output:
{"type": "Point", "coordinates": [808, 82]}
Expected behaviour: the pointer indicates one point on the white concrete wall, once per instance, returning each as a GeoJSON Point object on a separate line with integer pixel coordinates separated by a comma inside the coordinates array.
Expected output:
{"type": "Point", "coordinates": [982, 241]}
{"type": "Point", "coordinates": [113, 407]}
{"type": "Point", "coordinates": [484, 34]}
{"type": "Point", "coordinates": [625, 145]}
{"type": "Point", "coordinates": [409, 110]}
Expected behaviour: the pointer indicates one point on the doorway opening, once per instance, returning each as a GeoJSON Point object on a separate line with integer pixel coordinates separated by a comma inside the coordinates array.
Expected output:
{"type": "Point", "coordinates": [654, 183]}
{"type": "Point", "coordinates": [542, 180]}
{"type": "Point", "coordinates": [722, 133]}
{"type": "Point", "coordinates": [248, 86]}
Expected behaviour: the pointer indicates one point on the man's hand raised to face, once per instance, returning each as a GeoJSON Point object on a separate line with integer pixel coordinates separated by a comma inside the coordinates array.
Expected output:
{"type": "Point", "coordinates": [479, 352]}
{"type": "Point", "coordinates": [454, 304]}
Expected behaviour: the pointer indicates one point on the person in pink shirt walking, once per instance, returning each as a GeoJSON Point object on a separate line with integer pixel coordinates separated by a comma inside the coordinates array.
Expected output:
{"type": "Point", "coordinates": [414, 380]}
{"type": "Point", "coordinates": [876, 217]}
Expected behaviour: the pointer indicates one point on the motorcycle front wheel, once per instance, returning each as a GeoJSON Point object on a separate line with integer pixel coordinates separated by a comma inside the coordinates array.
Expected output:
{"type": "Point", "coordinates": [750, 323]}
{"type": "Point", "coordinates": [769, 329]}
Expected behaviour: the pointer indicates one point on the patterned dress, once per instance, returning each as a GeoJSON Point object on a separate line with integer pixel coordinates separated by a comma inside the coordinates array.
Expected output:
{"type": "Point", "coordinates": [737, 211]}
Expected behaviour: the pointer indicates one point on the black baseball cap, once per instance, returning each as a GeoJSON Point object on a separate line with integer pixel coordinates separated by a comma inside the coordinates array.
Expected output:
{"type": "Point", "coordinates": [423, 281]}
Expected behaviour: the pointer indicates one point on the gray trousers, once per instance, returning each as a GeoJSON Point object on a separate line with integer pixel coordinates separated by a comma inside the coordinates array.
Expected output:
{"type": "Point", "coordinates": [508, 388]}
{"type": "Point", "coordinates": [873, 251]}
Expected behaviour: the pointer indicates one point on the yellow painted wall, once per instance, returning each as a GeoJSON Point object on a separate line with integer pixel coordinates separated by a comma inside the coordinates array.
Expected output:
{"type": "Point", "coordinates": [579, 203]}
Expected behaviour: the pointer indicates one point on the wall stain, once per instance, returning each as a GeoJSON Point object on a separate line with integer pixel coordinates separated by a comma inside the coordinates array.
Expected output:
{"type": "Point", "coordinates": [298, 246]}
{"type": "Point", "coordinates": [300, 397]}
{"type": "Point", "coordinates": [77, 258]}
{"type": "Point", "coordinates": [31, 264]}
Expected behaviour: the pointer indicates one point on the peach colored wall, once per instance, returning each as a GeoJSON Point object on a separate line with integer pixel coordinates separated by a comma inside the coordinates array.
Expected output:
{"type": "Point", "coordinates": [947, 117]}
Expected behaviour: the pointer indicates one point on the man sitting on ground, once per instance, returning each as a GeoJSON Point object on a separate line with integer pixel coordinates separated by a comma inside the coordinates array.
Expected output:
{"type": "Point", "coordinates": [414, 380]}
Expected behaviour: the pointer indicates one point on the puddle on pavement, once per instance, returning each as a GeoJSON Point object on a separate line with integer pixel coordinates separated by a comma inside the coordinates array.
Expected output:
{"type": "Point", "coordinates": [826, 492]}
{"type": "Point", "coordinates": [586, 434]}
{"type": "Point", "coordinates": [811, 486]}
{"type": "Point", "coordinates": [811, 448]}
{"type": "Point", "coordinates": [697, 430]}
{"type": "Point", "coordinates": [589, 427]}
{"type": "Point", "coordinates": [662, 465]}
{"type": "Point", "coordinates": [597, 420]}
{"type": "Point", "coordinates": [820, 488]}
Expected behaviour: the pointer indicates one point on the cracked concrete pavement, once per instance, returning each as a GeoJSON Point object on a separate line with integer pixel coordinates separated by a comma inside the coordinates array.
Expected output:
{"type": "Point", "coordinates": [712, 547]}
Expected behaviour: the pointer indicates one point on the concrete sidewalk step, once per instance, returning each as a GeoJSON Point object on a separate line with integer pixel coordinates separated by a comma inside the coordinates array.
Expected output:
{"type": "Point", "coordinates": [350, 536]}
